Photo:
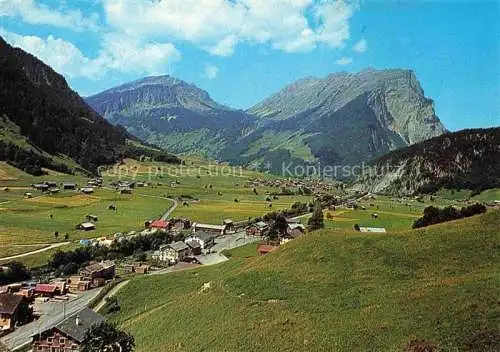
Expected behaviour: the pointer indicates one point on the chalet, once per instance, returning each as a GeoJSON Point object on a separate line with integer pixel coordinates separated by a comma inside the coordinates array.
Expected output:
{"type": "Point", "coordinates": [213, 229]}
{"type": "Point", "coordinates": [10, 308]}
{"type": "Point", "coordinates": [69, 185]}
{"type": "Point", "coordinates": [263, 249]}
{"type": "Point", "coordinates": [86, 226]}
{"type": "Point", "coordinates": [172, 253]}
{"type": "Point", "coordinates": [206, 240]}
{"type": "Point", "coordinates": [194, 247]}
{"type": "Point", "coordinates": [104, 270]}
{"type": "Point", "coordinates": [69, 334]}
{"type": "Point", "coordinates": [88, 190]}
{"type": "Point", "coordinates": [47, 290]}
{"type": "Point", "coordinates": [372, 229]}
{"type": "Point", "coordinates": [258, 229]}
{"type": "Point", "coordinates": [159, 224]}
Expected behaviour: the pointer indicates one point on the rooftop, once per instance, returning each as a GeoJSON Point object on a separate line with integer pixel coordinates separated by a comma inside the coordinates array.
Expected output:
{"type": "Point", "coordinates": [209, 226]}
{"type": "Point", "coordinates": [9, 303]}
{"type": "Point", "coordinates": [178, 246]}
{"type": "Point", "coordinates": [86, 319]}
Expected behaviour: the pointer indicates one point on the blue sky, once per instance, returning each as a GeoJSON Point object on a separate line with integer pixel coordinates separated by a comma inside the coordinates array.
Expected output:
{"type": "Point", "coordinates": [241, 51]}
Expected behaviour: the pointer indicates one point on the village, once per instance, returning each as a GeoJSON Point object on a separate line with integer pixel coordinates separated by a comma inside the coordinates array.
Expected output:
{"type": "Point", "coordinates": [53, 310]}
{"type": "Point", "coordinates": [27, 307]}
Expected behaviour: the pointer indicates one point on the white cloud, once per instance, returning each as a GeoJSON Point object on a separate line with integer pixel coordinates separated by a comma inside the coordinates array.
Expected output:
{"type": "Point", "coordinates": [117, 54]}
{"type": "Point", "coordinates": [32, 12]}
{"type": "Point", "coordinates": [218, 26]}
{"type": "Point", "coordinates": [360, 46]}
{"type": "Point", "coordinates": [211, 71]}
{"type": "Point", "coordinates": [344, 61]}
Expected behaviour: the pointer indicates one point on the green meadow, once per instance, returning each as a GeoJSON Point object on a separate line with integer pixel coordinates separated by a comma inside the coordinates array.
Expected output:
{"type": "Point", "coordinates": [331, 291]}
{"type": "Point", "coordinates": [208, 189]}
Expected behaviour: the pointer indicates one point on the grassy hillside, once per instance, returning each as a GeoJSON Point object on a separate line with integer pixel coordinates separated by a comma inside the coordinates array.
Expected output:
{"type": "Point", "coordinates": [331, 291]}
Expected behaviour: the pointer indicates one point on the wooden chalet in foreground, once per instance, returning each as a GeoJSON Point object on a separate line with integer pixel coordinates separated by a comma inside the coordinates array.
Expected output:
{"type": "Point", "coordinates": [68, 335]}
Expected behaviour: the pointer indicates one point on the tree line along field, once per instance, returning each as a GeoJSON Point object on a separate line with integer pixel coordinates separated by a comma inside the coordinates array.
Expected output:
{"type": "Point", "coordinates": [331, 291]}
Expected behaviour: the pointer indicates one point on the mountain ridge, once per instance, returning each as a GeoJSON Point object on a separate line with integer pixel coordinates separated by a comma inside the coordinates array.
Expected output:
{"type": "Point", "coordinates": [44, 122]}
{"type": "Point", "coordinates": [466, 159]}
{"type": "Point", "coordinates": [341, 119]}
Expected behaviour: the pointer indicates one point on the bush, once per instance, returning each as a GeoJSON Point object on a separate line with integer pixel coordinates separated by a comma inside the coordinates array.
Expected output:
{"type": "Point", "coordinates": [434, 215]}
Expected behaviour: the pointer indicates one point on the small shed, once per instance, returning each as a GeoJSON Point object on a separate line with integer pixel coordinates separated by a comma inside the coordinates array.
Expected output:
{"type": "Point", "coordinates": [91, 217]}
{"type": "Point", "coordinates": [86, 226]}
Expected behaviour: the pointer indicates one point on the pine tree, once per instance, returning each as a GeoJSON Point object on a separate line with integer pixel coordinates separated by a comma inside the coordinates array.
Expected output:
{"type": "Point", "coordinates": [316, 221]}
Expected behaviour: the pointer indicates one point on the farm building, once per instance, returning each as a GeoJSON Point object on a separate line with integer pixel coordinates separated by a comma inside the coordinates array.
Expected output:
{"type": "Point", "coordinates": [10, 307]}
{"type": "Point", "coordinates": [69, 334]}
{"type": "Point", "coordinates": [159, 224]}
{"type": "Point", "coordinates": [51, 184]}
{"type": "Point", "coordinates": [86, 226]}
{"type": "Point", "coordinates": [69, 185]}
{"type": "Point", "coordinates": [372, 229]}
{"type": "Point", "coordinates": [206, 240]}
{"type": "Point", "coordinates": [213, 229]}
{"type": "Point", "coordinates": [47, 290]}
{"type": "Point", "coordinates": [104, 270]}
{"type": "Point", "coordinates": [54, 190]}
{"type": "Point", "coordinates": [172, 253]}
{"type": "Point", "coordinates": [258, 229]}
